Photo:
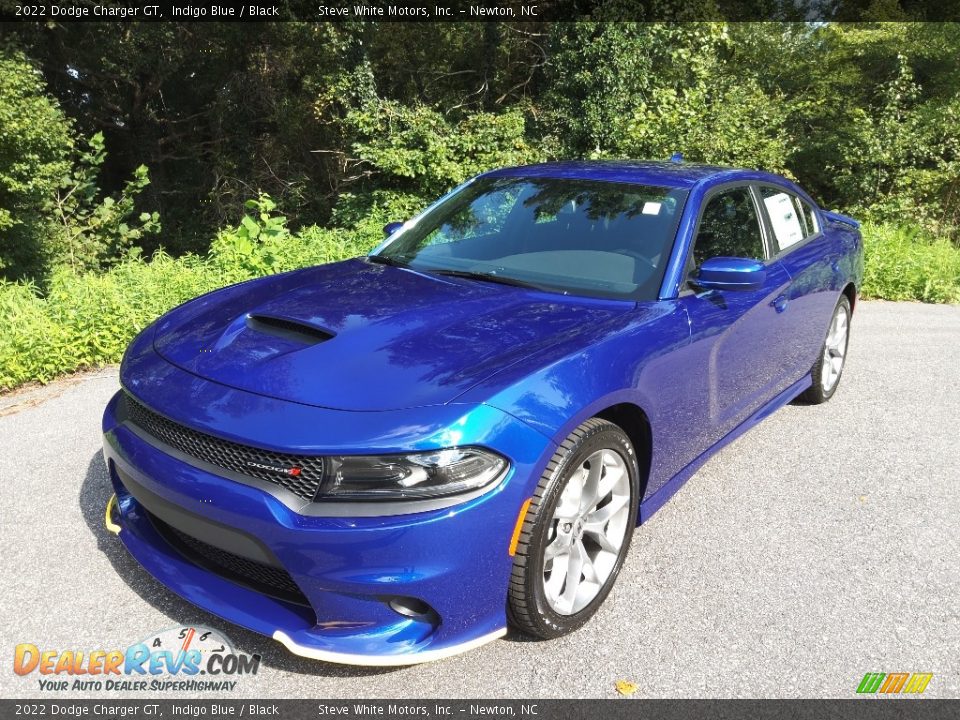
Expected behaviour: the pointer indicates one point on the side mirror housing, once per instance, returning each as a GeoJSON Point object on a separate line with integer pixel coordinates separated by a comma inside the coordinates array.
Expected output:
{"type": "Point", "coordinates": [730, 273]}
{"type": "Point", "coordinates": [390, 228]}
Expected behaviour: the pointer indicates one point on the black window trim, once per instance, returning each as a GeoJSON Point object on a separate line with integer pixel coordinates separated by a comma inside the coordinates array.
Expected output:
{"type": "Point", "coordinates": [780, 254]}
{"type": "Point", "coordinates": [766, 234]}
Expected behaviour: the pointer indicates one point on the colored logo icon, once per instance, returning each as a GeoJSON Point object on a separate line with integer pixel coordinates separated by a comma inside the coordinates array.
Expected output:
{"type": "Point", "coordinates": [894, 683]}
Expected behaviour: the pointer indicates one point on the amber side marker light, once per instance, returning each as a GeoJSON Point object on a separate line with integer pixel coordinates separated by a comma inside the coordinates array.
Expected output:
{"type": "Point", "coordinates": [519, 526]}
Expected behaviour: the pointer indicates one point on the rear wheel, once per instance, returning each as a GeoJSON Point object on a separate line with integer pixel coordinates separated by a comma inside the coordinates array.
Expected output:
{"type": "Point", "coordinates": [827, 370]}
{"type": "Point", "coordinates": [576, 532]}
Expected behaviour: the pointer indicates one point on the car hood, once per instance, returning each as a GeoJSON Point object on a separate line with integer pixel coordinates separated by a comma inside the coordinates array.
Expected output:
{"type": "Point", "coordinates": [359, 336]}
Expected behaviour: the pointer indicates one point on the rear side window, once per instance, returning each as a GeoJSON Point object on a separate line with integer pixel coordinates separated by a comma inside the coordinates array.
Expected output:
{"type": "Point", "coordinates": [808, 217]}
{"type": "Point", "coordinates": [792, 219]}
{"type": "Point", "coordinates": [729, 227]}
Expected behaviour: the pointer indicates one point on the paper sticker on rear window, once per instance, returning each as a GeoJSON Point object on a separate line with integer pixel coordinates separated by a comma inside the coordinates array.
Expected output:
{"type": "Point", "coordinates": [651, 208]}
{"type": "Point", "coordinates": [783, 217]}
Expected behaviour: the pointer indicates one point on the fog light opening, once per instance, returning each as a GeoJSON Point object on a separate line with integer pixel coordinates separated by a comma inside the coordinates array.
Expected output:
{"type": "Point", "coordinates": [413, 608]}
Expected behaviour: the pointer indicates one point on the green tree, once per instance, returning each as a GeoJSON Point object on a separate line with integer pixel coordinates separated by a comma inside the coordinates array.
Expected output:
{"type": "Point", "coordinates": [899, 159]}
{"type": "Point", "coordinates": [35, 148]}
{"type": "Point", "coordinates": [648, 90]}
{"type": "Point", "coordinates": [597, 76]}
{"type": "Point", "coordinates": [419, 149]}
{"type": "Point", "coordinates": [92, 231]}
{"type": "Point", "coordinates": [872, 110]}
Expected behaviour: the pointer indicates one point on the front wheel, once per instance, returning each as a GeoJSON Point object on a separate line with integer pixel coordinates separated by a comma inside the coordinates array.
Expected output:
{"type": "Point", "coordinates": [576, 532]}
{"type": "Point", "coordinates": [827, 370]}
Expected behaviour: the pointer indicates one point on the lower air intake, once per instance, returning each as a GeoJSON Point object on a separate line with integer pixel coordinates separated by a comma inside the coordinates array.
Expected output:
{"type": "Point", "coordinates": [273, 581]}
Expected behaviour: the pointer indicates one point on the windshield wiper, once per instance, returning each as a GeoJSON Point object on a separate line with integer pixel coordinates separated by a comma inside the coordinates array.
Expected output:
{"type": "Point", "coordinates": [470, 274]}
{"type": "Point", "coordinates": [488, 277]}
{"type": "Point", "coordinates": [386, 260]}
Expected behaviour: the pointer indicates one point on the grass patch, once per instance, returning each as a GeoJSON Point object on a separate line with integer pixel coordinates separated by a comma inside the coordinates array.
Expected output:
{"type": "Point", "coordinates": [86, 320]}
{"type": "Point", "coordinates": [905, 263]}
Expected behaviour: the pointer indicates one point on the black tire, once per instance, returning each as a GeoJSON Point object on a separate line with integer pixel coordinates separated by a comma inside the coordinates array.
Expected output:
{"type": "Point", "coordinates": [816, 394]}
{"type": "Point", "coordinates": [527, 607]}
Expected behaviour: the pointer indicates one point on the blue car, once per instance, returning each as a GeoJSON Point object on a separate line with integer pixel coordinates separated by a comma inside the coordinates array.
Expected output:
{"type": "Point", "coordinates": [394, 458]}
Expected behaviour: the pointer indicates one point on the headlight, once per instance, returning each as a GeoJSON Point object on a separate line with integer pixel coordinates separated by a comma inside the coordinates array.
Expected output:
{"type": "Point", "coordinates": [415, 475]}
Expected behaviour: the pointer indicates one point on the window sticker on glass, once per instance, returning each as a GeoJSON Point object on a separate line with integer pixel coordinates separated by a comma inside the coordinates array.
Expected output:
{"type": "Point", "coordinates": [783, 217]}
{"type": "Point", "coordinates": [651, 208]}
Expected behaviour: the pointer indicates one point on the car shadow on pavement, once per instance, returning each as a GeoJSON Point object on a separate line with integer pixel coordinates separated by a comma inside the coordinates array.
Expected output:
{"type": "Point", "coordinates": [94, 494]}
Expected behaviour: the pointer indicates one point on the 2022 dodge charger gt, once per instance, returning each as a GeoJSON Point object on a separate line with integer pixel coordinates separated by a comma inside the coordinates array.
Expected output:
{"type": "Point", "coordinates": [389, 459]}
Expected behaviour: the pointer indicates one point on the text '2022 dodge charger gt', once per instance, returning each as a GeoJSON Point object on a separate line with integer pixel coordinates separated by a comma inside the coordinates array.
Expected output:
{"type": "Point", "coordinates": [390, 459]}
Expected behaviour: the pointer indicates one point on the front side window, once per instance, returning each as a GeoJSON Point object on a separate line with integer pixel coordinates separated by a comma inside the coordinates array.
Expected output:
{"type": "Point", "coordinates": [603, 239]}
{"type": "Point", "coordinates": [729, 227]}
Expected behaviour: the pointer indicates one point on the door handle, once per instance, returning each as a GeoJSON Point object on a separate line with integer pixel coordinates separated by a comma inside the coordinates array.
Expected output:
{"type": "Point", "coordinates": [780, 303]}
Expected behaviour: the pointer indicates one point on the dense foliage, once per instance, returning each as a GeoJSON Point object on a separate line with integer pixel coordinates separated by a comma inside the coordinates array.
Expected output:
{"type": "Point", "coordinates": [120, 142]}
{"type": "Point", "coordinates": [328, 118]}
{"type": "Point", "coordinates": [35, 145]}
{"type": "Point", "coordinates": [88, 318]}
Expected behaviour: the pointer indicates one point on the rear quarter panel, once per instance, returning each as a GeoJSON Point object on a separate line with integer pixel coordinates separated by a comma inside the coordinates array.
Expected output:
{"type": "Point", "coordinates": [820, 269]}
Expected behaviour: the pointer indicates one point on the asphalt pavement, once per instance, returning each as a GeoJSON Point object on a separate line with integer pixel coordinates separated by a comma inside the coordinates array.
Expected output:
{"type": "Point", "coordinates": [822, 545]}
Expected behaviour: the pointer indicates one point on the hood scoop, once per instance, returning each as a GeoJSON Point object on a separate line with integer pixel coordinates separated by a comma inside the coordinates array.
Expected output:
{"type": "Point", "coordinates": [361, 337]}
{"type": "Point", "coordinates": [287, 329]}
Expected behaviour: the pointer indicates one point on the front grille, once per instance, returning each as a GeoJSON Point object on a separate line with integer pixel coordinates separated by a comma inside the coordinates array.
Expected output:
{"type": "Point", "coordinates": [229, 455]}
{"type": "Point", "coordinates": [266, 579]}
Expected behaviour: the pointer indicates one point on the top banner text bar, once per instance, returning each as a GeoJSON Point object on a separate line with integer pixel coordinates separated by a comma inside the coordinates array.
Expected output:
{"type": "Point", "coordinates": [514, 11]}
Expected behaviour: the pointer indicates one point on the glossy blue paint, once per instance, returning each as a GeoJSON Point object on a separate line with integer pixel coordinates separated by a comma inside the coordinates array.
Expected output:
{"type": "Point", "coordinates": [390, 228]}
{"type": "Point", "coordinates": [453, 559]}
{"type": "Point", "coordinates": [726, 273]}
{"type": "Point", "coordinates": [408, 339]}
{"type": "Point", "coordinates": [412, 361]}
{"type": "Point", "coordinates": [641, 172]}
{"type": "Point", "coordinates": [837, 217]}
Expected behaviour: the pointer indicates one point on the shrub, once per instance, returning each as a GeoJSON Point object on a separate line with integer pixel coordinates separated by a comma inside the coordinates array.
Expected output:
{"type": "Point", "coordinates": [422, 152]}
{"type": "Point", "coordinates": [262, 244]}
{"type": "Point", "coordinates": [35, 147]}
{"type": "Point", "coordinates": [52, 210]}
{"type": "Point", "coordinates": [87, 318]}
{"type": "Point", "coordinates": [367, 213]}
{"type": "Point", "coordinates": [906, 263]}
{"type": "Point", "coordinates": [93, 231]}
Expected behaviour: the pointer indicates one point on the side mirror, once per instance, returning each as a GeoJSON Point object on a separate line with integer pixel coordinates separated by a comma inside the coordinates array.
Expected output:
{"type": "Point", "coordinates": [729, 273]}
{"type": "Point", "coordinates": [390, 228]}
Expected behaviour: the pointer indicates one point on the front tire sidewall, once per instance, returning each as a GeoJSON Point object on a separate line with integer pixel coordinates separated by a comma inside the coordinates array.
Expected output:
{"type": "Point", "coordinates": [817, 394]}
{"type": "Point", "coordinates": [608, 437]}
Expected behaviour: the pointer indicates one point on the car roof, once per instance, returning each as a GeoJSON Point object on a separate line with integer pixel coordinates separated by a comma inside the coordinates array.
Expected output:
{"type": "Point", "coordinates": [643, 172]}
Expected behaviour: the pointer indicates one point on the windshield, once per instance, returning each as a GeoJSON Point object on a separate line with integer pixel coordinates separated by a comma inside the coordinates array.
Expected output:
{"type": "Point", "coordinates": [581, 237]}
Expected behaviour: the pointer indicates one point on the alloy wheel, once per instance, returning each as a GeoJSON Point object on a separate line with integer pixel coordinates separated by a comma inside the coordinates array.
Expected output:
{"type": "Point", "coordinates": [835, 349]}
{"type": "Point", "coordinates": [588, 529]}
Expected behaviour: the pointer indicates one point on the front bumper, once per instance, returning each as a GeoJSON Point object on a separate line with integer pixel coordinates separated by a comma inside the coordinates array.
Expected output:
{"type": "Point", "coordinates": [351, 571]}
